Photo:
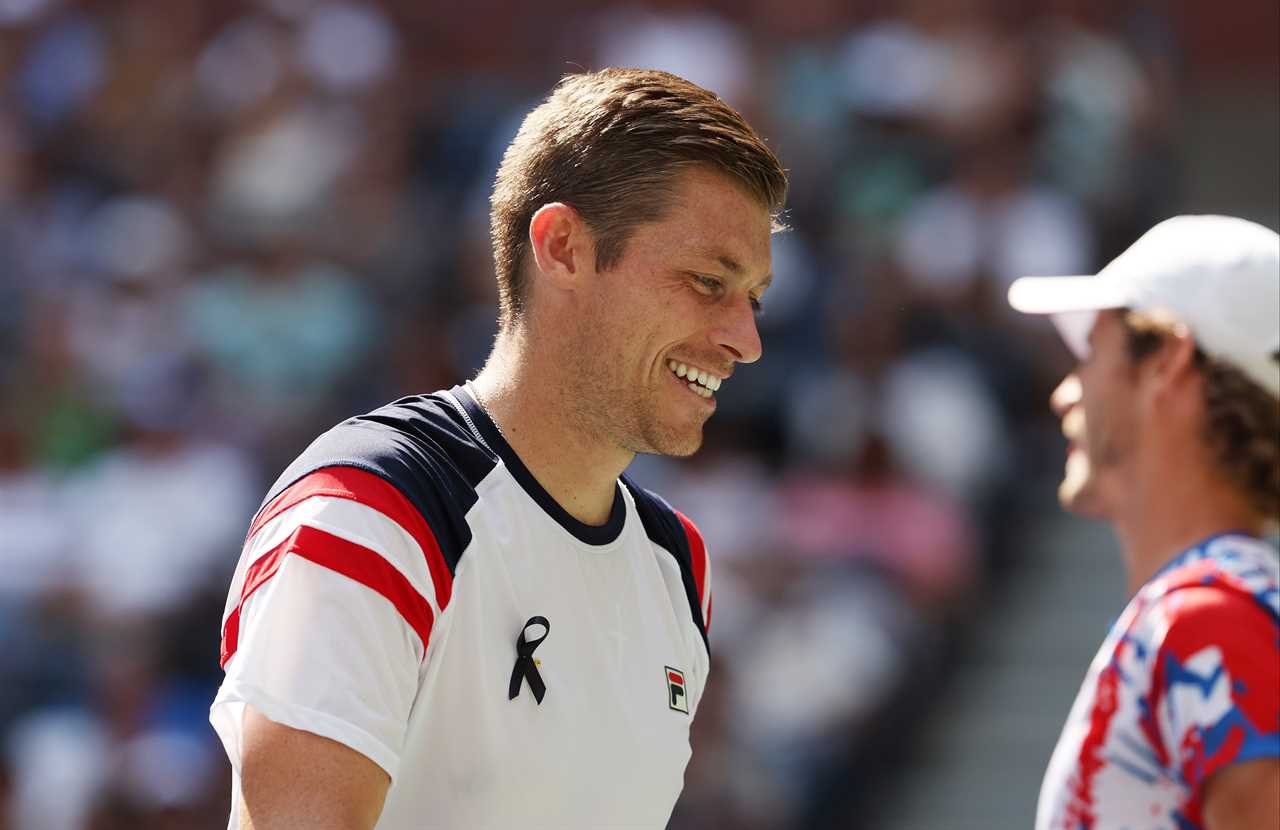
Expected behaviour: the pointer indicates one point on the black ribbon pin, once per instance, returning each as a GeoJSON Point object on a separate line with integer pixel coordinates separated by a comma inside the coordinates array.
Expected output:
{"type": "Point", "coordinates": [525, 668]}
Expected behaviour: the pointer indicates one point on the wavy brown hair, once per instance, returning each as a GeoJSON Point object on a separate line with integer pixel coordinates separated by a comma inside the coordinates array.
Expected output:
{"type": "Point", "coordinates": [1242, 420]}
{"type": "Point", "coordinates": [609, 144]}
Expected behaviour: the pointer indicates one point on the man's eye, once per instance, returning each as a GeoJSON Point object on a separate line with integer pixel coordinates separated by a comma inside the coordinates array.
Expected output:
{"type": "Point", "coordinates": [757, 306]}
{"type": "Point", "coordinates": [710, 283]}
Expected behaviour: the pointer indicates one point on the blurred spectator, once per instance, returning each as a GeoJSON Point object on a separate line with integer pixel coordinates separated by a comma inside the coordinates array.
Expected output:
{"type": "Point", "coordinates": [60, 757]}
{"type": "Point", "coordinates": [694, 43]}
{"type": "Point", "coordinates": [36, 543]}
{"type": "Point", "coordinates": [990, 222]}
{"type": "Point", "coordinates": [280, 334]}
{"type": "Point", "coordinates": [154, 517]}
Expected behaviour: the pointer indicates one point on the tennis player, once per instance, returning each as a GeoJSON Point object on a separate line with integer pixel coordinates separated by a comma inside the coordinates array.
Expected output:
{"type": "Point", "coordinates": [456, 612]}
{"type": "Point", "coordinates": [1173, 419]}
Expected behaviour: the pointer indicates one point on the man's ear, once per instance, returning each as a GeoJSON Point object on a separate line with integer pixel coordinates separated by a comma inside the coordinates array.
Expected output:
{"type": "Point", "coordinates": [1174, 363]}
{"type": "Point", "coordinates": [562, 245]}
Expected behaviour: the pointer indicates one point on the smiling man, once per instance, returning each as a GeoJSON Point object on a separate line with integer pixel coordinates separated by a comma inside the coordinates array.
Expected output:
{"type": "Point", "coordinates": [455, 611]}
{"type": "Point", "coordinates": [1173, 419]}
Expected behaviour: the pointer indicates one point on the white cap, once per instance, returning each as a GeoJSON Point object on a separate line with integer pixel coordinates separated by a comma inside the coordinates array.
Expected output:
{"type": "Point", "coordinates": [1217, 275]}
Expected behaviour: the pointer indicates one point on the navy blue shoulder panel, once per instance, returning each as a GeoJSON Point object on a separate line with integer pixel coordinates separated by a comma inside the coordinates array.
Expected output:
{"type": "Point", "coordinates": [665, 530]}
{"type": "Point", "coordinates": [420, 445]}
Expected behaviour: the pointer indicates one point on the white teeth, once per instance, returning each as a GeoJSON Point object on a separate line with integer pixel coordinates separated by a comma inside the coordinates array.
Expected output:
{"type": "Point", "coordinates": [699, 380]}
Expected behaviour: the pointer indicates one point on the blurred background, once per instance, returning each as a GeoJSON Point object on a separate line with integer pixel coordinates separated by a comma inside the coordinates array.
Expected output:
{"type": "Point", "coordinates": [225, 226]}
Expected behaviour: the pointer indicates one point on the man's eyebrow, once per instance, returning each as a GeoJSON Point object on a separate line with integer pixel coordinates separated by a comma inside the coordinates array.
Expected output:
{"type": "Point", "coordinates": [730, 264]}
{"type": "Point", "coordinates": [734, 267]}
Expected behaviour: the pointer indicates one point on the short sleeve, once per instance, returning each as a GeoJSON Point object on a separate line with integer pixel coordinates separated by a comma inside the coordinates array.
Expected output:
{"type": "Point", "coordinates": [1216, 687]}
{"type": "Point", "coordinates": [328, 621]}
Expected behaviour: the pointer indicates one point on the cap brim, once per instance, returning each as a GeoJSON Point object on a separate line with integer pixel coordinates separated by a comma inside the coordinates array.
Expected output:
{"type": "Point", "coordinates": [1059, 295]}
{"type": "Point", "coordinates": [1074, 327]}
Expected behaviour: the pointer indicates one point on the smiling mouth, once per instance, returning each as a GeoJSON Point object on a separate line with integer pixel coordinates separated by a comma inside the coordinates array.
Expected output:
{"type": "Point", "coordinates": [700, 381]}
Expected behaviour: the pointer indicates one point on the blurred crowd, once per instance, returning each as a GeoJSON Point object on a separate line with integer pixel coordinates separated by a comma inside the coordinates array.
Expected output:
{"type": "Point", "coordinates": [225, 226]}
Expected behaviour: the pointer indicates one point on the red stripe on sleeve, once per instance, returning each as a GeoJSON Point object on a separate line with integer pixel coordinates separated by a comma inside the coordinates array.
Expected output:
{"type": "Point", "coordinates": [698, 555]}
{"type": "Point", "coordinates": [354, 561]}
{"type": "Point", "coordinates": [372, 491]}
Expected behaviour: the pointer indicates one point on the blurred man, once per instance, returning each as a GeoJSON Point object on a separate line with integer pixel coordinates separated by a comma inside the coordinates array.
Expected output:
{"type": "Point", "coordinates": [454, 612]}
{"type": "Point", "coordinates": [1173, 420]}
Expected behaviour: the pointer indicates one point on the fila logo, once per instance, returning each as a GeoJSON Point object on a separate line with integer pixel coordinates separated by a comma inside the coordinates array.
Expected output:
{"type": "Point", "coordinates": [677, 698]}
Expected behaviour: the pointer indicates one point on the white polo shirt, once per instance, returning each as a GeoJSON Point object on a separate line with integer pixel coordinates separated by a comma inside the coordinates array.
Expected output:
{"type": "Point", "coordinates": [379, 601]}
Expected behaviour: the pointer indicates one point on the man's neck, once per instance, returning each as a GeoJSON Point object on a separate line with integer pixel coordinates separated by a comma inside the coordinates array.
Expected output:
{"type": "Point", "coordinates": [1174, 506]}
{"type": "Point", "coordinates": [532, 406]}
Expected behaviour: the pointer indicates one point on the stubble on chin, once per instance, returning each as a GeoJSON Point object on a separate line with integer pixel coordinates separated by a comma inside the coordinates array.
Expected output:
{"type": "Point", "coordinates": [1079, 491]}
{"type": "Point", "coordinates": [637, 424]}
{"type": "Point", "coordinates": [675, 445]}
{"type": "Point", "coordinates": [659, 437]}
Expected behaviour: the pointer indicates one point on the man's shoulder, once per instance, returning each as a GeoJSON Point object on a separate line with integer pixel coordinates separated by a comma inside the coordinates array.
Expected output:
{"type": "Point", "coordinates": [412, 439]}
{"type": "Point", "coordinates": [422, 446]}
{"type": "Point", "coordinates": [664, 524]}
{"type": "Point", "coordinates": [1225, 572]}
{"type": "Point", "coordinates": [433, 424]}
{"type": "Point", "coordinates": [1208, 613]}
{"type": "Point", "coordinates": [1219, 595]}
{"type": "Point", "coordinates": [675, 533]}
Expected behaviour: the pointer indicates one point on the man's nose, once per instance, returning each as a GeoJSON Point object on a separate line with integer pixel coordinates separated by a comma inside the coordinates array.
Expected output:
{"type": "Point", "coordinates": [738, 334]}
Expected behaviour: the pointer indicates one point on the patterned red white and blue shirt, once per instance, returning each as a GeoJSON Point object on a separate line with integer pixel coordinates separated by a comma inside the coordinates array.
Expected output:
{"type": "Point", "coordinates": [1186, 683]}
